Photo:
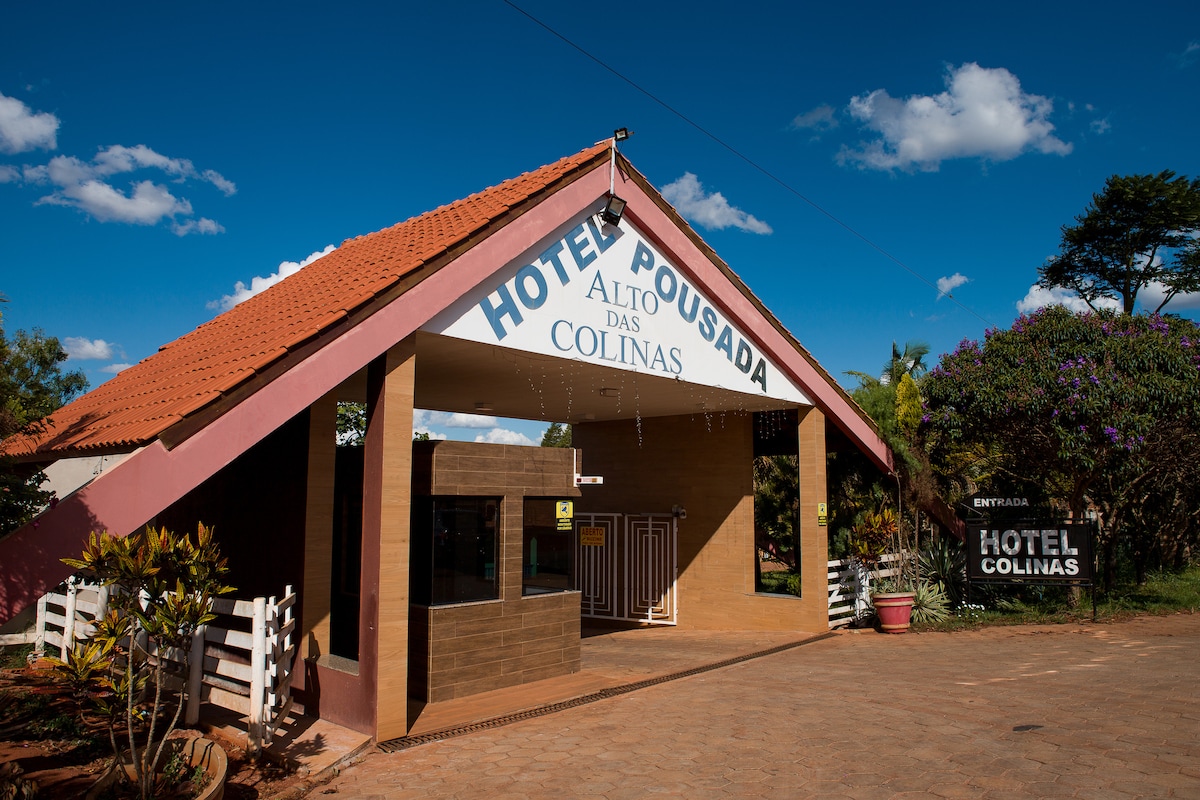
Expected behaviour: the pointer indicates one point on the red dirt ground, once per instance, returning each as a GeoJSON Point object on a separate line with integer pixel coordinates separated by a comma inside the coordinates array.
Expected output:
{"type": "Point", "coordinates": [65, 767]}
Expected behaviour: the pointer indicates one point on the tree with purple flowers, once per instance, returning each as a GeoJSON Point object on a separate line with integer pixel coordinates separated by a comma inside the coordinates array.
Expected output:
{"type": "Point", "coordinates": [1096, 411]}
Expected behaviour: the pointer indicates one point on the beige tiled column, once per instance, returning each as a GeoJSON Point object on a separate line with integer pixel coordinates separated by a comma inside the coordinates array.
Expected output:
{"type": "Point", "coordinates": [814, 538]}
{"type": "Point", "coordinates": [387, 493]}
{"type": "Point", "coordinates": [318, 526]}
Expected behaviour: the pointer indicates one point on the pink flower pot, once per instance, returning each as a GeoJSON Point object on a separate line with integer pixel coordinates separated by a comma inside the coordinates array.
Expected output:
{"type": "Point", "coordinates": [894, 610]}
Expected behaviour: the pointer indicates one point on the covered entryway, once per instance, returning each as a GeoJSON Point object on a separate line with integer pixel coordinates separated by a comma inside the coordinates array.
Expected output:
{"type": "Point", "coordinates": [626, 566]}
{"type": "Point", "coordinates": [526, 300]}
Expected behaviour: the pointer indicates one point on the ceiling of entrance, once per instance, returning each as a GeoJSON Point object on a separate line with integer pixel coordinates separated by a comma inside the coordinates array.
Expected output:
{"type": "Point", "coordinates": [461, 376]}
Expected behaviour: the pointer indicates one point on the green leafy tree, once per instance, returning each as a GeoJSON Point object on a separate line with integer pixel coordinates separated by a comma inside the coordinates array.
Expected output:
{"type": "Point", "coordinates": [893, 401]}
{"type": "Point", "coordinates": [909, 361]}
{"type": "Point", "coordinates": [32, 386]}
{"type": "Point", "coordinates": [557, 435]}
{"type": "Point", "coordinates": [776, 507]}
{"type": "Point", "coordinates": [1141, 229]}
{"type": "Point", "coordinates": [1093, 409]}
{"type": "Point", "coordinates": [351, 423]}
{"type": "Point", "coordinates": [889, 401]}
{"type": "Point", "coordinates": [880, 396]}
{"type": "Point", "coordinates": [908, 406]}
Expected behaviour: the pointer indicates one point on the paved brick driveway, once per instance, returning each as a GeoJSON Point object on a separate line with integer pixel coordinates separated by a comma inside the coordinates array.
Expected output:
{"type": "Point", "coordinates": [1090, 711]}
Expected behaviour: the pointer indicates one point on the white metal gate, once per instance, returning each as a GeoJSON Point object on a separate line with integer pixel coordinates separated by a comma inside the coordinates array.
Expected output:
{"type": "Point", "coordinates": [625, 566]}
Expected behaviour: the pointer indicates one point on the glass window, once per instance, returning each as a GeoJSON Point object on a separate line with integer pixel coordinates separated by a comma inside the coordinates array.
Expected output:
{"type": "Point", "coordinates": [546, 551]}
{"type": "Point", "coordinates": [461, 536]}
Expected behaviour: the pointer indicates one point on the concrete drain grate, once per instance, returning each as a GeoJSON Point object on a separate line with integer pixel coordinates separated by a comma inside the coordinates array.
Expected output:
{"type": "Point", "coordinates": [406, 742]}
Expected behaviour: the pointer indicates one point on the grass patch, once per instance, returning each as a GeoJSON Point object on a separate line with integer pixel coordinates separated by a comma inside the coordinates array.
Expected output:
{"type": "Point", "coordinates": [782, 581]}
{"type": "Point", "coordinates": [13, 656]}
{"type": "Point", "coordinates": [1162, 593]}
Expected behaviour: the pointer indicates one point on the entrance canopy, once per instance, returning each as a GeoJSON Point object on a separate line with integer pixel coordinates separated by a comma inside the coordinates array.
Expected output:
{"type": "Point", "coordinates": [601, 323]}
{"type": "Point", "coordinates": [522, 303]}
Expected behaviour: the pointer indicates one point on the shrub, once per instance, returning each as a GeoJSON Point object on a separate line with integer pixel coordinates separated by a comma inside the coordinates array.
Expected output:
{"type": "Point", "coordinates": [163, 585]}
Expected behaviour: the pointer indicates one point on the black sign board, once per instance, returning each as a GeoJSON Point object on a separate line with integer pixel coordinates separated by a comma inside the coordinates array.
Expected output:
{"type": "Point", "coordinates": [1028, 551]}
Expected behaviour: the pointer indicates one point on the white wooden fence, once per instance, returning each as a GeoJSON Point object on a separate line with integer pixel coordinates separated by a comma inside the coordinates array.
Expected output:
{"type": "Point", "coordinates": [242, 661]}
{"type": "Point", "coordinates": [850, 587]}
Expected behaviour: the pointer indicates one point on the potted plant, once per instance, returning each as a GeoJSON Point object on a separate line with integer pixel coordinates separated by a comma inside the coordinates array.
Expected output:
{"type": "Point", "coordinates": [873, 535]}
{"type": "Point", "coordinates": [132, 669]}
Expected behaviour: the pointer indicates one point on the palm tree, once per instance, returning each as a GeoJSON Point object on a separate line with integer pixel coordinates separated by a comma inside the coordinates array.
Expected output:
{"type": "Point", "coordinates": [910, 362]}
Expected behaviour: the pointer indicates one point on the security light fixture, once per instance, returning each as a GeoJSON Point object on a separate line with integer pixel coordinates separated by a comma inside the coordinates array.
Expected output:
{"type": "Point", "coordinates": [484, 408]}
{"type": "Point", "coordinates": [613, 209]}
{"type": "Point", "coordinates": [621, 134]}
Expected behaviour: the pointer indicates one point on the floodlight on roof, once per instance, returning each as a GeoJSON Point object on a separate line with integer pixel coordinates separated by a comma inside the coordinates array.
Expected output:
{"type": "Point", "coordinates": [614, 207]}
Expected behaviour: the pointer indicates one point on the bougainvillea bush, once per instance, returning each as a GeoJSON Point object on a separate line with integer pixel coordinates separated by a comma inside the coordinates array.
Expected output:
{"type": "Point", "coordinates": [1097, 411]}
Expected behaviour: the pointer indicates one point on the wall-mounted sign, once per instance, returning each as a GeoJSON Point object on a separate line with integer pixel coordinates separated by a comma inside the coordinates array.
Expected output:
{"type": "Point", "coordinates": [988, 506]}
{"type": "Point", "coordinates": [590, 536]}
{"type": "Point", "coordinates": [982, 504]}
{"type": "Point", "coordinates": [822, 513]}
{"type": "Point", "coordinates": [608, 296]}
{"type": "Point", "coordinates": [564, 513]}
{"type": "Point", "coordinates": [1029, 551]}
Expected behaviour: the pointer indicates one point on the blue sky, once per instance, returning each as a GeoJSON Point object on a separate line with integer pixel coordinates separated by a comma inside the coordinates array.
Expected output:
{"type": "Point", "coordinates": [155, 156]}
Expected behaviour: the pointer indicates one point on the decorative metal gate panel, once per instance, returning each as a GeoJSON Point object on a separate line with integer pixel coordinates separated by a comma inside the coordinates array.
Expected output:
{"type": "Point", "coordinates": [596, 563]}
{"type": "Point", "coordinates": [625, 566]}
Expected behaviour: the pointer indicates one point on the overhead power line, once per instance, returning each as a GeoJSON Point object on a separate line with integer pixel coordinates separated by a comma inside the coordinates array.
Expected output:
{"type": "Point", "coordinates": [751, 162]}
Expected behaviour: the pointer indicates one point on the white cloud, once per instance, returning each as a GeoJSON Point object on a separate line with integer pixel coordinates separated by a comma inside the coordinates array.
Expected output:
{"type": "Point", "coordinates": [709, 210]}
{"type": "Point", "coordinates": [948, 284]}
{"type": "Point", "coordinates": [202, 225]}
{"type": "Point", "coordinates": [80, 349]}
{"type": "Point", "coordinates": [1100, 126]}
{"type": "Point", "coordinates": [115, 368]}
{"type": "Point", "coordinates": [982, 114]}
{"type": "Point", "coordinates": [80, 185]}
{"type": "Point", "coordinates": [426, 421]}
{"type": "Point", "coordinates": [147, 205]}
{"type": "Point", "coordinates": [88, 185]}
{"type": "Point", "coordinates": [117, 159]}
{"type": "Point", "coordinates": [1153, 293]}
{"type": "Point", "coordinates": [219, 181]}
{"type": "Point", "coordinates": [1187, 57]}
{"type": "Point", "coordinates": [23, 129]}
{"type": "Point", "coordinates": [470, 421]}
{"type": "Point", "coordinates": [505, 436]}
{"type": "Point", "coordinates": [242, 292]}
{"type": "Point", "coordinates": [1040, 297]}
{"type": "Point", "coordinates": [818, 119]}
{"type": "Point", "coordinates": [444, 419]}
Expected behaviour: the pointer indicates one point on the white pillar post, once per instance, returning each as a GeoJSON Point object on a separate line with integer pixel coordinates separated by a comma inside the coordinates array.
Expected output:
{"type": "Point", "coordinates": [195, 680]}
{"type": "Point", "coordinates": [39, 642]}
{"type": "Point", "coordinates": [258, 674]}
{"type": "Point", "coordinates": [68, 638]}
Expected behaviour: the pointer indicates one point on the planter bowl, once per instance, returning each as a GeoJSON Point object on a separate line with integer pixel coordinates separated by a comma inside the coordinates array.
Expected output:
{"type": "Point", "coordinates": [198, 752]}
{"type": "Point", "coordinates": [894, 610]}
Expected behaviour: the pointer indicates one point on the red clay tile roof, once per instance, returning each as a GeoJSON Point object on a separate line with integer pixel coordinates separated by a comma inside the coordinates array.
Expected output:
{"type": "Point", "coordinates": [197, 369]}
